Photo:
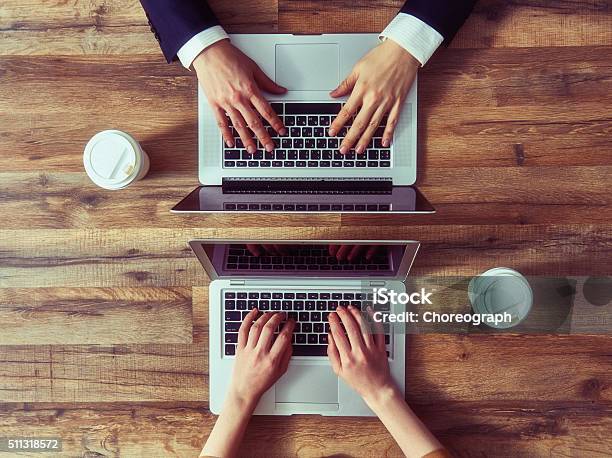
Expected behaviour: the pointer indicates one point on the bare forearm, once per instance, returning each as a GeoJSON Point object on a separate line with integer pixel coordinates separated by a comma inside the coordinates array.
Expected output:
{"type": "Point", "coordinates": [226, 436]}
{"type": "Point", "coordinates": [409, 432]}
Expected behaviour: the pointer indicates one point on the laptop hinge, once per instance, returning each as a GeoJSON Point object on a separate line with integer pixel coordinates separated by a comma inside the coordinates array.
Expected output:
{"type": "Point", "coordinates": [307, 186]}
{"type": "Point", "coordinates": [377, 283]}
{"type": "Point", "coordinates": [236, 282]}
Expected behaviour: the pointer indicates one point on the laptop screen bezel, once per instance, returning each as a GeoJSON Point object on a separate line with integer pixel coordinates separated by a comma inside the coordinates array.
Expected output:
{"type": "Point", "coordinates": [408, 257]}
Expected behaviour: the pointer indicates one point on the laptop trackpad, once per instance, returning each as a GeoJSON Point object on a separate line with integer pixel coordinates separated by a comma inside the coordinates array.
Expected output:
{"type": "Point", "coordinates": [308, 384]}
{"type": "Point", "coordinates": [307, 67]}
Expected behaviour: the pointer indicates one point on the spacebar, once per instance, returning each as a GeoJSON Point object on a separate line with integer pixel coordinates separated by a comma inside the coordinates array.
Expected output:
{"type": "Point", "coordinates": [310, 350]}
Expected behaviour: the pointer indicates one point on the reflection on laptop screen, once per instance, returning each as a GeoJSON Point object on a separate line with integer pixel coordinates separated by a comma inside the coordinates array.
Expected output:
{"type": "Point", "coordinates": [316, 259]}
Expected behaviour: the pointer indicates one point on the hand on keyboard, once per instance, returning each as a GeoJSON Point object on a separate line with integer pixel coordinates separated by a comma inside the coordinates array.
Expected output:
{"type": "Point", "coordinates": [232, 83]}
{"type": "Point", "coordinates": [378, 85]}
{"type": "Point", "coordinates": [261, 357]}
{"type": "Point", "coordinates": [358, 356]}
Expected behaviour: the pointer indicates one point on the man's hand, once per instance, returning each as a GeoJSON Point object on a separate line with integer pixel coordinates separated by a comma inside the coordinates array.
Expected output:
{"type": "Point", "coordinates": [261, 358]}
{"type": "Point", "coordinates": [378, 85]}
{"type": "Point", "coordinates": [232, 83]}
{"type": "Point", "coordinates": [359, 356]}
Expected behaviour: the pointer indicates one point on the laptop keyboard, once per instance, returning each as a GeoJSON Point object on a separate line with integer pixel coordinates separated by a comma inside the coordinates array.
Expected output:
{"type": "Point", "coordinates": [311, 257]}
{"type": "Point", "coordinates": [307, 143]}
{"type": "Point", "coordinates": [309, 309]}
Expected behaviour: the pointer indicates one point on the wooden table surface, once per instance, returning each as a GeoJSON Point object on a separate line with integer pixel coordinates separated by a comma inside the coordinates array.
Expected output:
{"type": "Point", "coordinates": [103, 308]}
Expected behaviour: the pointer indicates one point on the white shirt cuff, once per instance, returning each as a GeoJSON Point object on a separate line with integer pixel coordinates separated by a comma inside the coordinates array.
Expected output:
{"type": "Point", "coordinates": [198, 43]}
{"type": "Point", "coordinates": [415, 36]}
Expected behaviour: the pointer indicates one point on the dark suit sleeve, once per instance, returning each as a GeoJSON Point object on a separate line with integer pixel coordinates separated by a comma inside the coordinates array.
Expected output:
{"type": "Point", "coordinates": [175, 22]}
{"type": "Point", "coordinates": [446, 16]}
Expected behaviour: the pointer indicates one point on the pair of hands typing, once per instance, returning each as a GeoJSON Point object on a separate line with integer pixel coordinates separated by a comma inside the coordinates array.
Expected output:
{"type": "Point", "coordinates": [378, 86]}
{"type": "Point", "coordinates": [357, 355]}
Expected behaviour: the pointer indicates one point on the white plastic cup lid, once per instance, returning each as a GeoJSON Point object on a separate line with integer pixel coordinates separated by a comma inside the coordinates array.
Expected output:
{"type": "Point", "coordinates": [502, 290]}
{"type": "Point", "coordinates": [112, 159]}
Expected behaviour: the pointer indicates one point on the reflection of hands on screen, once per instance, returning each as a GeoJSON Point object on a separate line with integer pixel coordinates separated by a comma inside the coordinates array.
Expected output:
{"type": "Point", "coordinates": [268, 249]}
{"type": "Point", "coordinates": [352, 253]}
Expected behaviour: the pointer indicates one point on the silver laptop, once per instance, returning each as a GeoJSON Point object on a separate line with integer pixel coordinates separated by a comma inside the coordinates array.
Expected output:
{"type": "Point", "coordinates": [307, 280]}
{"type": "Point", "coordinates": [306, 172]}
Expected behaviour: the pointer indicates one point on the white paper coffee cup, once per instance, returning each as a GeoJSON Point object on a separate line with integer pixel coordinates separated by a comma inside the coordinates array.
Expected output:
{"type": "Point", "coordinates": [501, 290]}
{"type": "Point", "coordinates": [114, 159]}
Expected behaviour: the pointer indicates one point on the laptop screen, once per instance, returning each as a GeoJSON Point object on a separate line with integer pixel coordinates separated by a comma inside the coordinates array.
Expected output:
{"type": "Point", "coordinates": [399, 199]}
{"type": "Point", "coordinates": [306, 259]}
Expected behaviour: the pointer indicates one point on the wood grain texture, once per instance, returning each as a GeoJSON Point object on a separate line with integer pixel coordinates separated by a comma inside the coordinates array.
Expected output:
{"type": "Point", "coordinates": [114, 306]}
{"type": "Point", "coordinates": [442, 368]}
{"type": "Point", "coordinates": [179, 429]}
{"type": "Point", "coordinates": [105, 373]}
{"type": "Point", "coordinates": [53, 27]}
{"type": "Point", "coordinates": [494, 23]}
{"type": "Point", "coordinates": [95, 316]}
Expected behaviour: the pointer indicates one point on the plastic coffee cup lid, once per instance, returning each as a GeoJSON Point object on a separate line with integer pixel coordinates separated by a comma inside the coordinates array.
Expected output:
{"type": "Point", "coordinates": [112, 159]}
{"type": "Point", "coordinates": [502, 290]}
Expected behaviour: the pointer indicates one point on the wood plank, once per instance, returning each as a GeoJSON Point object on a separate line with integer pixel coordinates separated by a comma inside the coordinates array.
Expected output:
{"type": "Point", "coordinates": [442, 367]}
{"type": "Point", "coordinates": [493, 23]}
{"type": "Point", "coordinates": [146, 257]}
{"type": "Point", "coordinates": [500, 367]}
{"type": "Point", "coordinates": [94, 373]}
{"type": "Point", "coordinates": [179, 429]}
{"type": "Point", "coordinates": [533, 23]}
{"type": "Point", "coordinates": [110, 27]}
{"type": "Point", "coordinates": [475, 106]}
{"type": "Point", "coordinates": [38, 316]}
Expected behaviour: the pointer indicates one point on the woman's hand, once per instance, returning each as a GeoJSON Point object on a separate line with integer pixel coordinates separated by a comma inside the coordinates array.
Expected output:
{"type": "Point", "coordinates": [359, 356]}
{"type": "Point", "coordinates": [378, 85]}
{"type": "Point", "coordinates": [232, 83]}
{"type": "Point", "coordinates": [260, 361]}
{"type": "Point", "coordinates": [261, 358]}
